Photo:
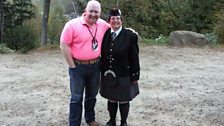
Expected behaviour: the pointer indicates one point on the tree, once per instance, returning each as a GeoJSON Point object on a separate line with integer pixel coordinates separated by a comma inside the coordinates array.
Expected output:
{"type": "Point", "coordinates": [55, 25]}
{"type": "Point", "coordinates": [44, 22]}
{"type": "Point", "coordinates": [21, 10]}
{"type": "Point", "coordinates": [193, 15]}
{"type": "Point", "coordinates": [1, 21]}
{"type": "Point", "coordinates": [14, 13]}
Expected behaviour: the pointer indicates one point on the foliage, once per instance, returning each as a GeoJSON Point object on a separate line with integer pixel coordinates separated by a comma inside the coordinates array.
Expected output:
{"type": "Point", "coordinates": [35, 25]}
{"type": "Point", "coordinates": [20, 38]}
{"type": "Point", "coordinates": [74, 6]}
{"type": "Point", "coordinates": [149, 18]}
{"type": "Point", "coordinates": [220, 31]}
{"type": "Point", "coordinates": [17, 11]}
{"type": "Point", "coordinates": [141, 15]}
{"type": "Point", "coordinates": [4, 49]}
{"type": "Point", "coordinates": [16, 36]}
{"type": "Point", "coordinates": [219, 27]}
{"type": "Point", "coordinates": [56, 23]}
{"type": "Point", "coordinates": [152, 18]}
{"type": "Point", "coordinates": [211, 37]}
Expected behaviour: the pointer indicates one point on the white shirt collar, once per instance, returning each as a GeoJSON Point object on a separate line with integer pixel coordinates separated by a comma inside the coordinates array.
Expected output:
{"type": "Point", "coordinates": [118, 31]}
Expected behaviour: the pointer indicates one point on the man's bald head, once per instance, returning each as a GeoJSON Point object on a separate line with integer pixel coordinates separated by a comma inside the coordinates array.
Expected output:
{"type": "Point", "coordinates": [92, 12]}
{"type": "Point", "coordinates": [93, 4]}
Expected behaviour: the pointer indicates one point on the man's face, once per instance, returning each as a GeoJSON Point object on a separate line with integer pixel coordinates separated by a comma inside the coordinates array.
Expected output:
{"type": "Point", "coordinates": [93, 13]}
{"type": "Point", "coordinates": [115, 22]}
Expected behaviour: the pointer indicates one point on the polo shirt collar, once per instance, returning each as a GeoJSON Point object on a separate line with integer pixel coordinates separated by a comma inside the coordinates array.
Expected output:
{"type": "Point", "coordinates": [84, 22]}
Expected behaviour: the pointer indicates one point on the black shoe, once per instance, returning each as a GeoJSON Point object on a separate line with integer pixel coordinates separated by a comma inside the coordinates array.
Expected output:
{"type": "Point", "coordinates": [124, 124]}
{"type": "Point", "coordinates": [111, 123]}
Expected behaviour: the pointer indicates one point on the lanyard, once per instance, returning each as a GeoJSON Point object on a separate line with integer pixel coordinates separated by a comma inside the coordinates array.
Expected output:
{"type": "Point", "coordinates": [94, 37]}
{"type": "Point", "coordinates": [94, 40]}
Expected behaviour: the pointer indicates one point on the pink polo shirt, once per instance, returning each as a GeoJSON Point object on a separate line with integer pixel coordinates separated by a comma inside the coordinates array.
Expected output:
{"type": "Point", "coordinates": [78, 37]}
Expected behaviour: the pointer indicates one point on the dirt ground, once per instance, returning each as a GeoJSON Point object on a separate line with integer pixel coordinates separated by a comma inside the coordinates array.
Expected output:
{"type": "Point", "coordinates": [178, 87]}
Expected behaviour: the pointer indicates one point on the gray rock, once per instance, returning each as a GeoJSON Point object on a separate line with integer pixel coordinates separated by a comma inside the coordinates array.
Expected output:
{"type": "Point", "coordinates": [187, 38]}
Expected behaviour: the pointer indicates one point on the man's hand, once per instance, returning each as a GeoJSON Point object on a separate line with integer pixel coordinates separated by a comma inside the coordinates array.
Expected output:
{"type": "Point", "coordinates": [67, 54]}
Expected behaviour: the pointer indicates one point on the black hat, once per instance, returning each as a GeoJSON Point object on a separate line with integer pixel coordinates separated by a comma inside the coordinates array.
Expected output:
{"type": "Point", "coordinates": [114, 12]}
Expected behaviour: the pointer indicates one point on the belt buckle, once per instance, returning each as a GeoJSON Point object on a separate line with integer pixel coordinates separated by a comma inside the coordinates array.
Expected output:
{"type": "Point", "coordinates": [92, 62]}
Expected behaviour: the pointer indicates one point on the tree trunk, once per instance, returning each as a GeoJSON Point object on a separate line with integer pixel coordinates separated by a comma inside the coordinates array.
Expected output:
{"type": "Point", "coordinates": [1, 21]}
{"type": "Point", "coordinates": [44, 23]}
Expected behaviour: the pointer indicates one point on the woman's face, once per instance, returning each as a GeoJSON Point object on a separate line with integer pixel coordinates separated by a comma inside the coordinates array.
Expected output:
{"type": "Point", "coordinates": [115, 22]}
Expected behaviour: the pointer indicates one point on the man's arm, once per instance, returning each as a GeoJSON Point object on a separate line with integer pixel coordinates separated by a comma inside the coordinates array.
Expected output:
{"type": "Point", "coordinates": [67, 54]}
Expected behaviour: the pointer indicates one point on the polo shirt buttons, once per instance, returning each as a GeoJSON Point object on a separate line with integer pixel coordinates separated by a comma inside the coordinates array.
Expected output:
{"type": "Point", "coordinates": [111, 50]}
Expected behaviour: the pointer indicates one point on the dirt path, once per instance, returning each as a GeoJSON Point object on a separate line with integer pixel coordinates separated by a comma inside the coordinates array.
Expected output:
{"type": "Point", "coordinates": [179, 87]}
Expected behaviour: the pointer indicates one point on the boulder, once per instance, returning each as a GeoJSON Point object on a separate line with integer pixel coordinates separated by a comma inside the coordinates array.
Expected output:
{"type": "Point", "coordinates": [187, 38]}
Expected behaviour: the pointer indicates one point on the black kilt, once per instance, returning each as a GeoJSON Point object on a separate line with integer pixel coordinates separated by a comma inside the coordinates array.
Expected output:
{"type": "Point", "coordinates": [123, 91]}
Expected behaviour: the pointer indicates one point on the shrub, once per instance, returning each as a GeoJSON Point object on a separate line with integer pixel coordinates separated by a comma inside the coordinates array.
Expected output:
{"type": "Point", "coordinates": [219, 28]}
{"type": "Point", "coordinates": [55, 25]}
{"type": "Point", "coordinates": [4, 49]}
{"type": "Point", "coordinates": [20, 38]}
{"type": "Point", "coordinates": [211, 37]}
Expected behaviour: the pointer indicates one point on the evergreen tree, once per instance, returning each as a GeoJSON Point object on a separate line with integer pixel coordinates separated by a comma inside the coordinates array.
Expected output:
{"type": "Point", "coordinates": [17, 11]}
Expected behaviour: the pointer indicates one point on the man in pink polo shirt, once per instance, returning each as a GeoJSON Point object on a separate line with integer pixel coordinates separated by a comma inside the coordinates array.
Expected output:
{"type": "Point", "coordinates": [81, 41]}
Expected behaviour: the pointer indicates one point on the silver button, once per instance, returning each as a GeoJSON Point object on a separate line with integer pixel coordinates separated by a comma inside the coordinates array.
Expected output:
{"type": "Point", "coordinates": [111, 50]}
{"type": "Point", "coordinates": [110, 66]}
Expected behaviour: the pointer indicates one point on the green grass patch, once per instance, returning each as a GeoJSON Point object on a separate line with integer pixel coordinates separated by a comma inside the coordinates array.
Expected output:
{"type": "Point", "coordinates": [161, 40]}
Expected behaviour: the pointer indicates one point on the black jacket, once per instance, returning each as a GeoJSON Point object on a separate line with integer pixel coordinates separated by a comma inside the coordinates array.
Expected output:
{"type": "Point", "coordinates": [121, 55]}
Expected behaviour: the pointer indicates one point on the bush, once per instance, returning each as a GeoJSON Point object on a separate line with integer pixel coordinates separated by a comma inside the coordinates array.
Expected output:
{"type": "Point", "coordinates": [55, 25]}
{"type": "Point", "coordinates": [20, 38]}
{"type": "Point", "coordinates": [4, 49]}
{"type": "Point", "coordinates": [211, 37]}
{"type": "Point", "coordinates": [219, 28]}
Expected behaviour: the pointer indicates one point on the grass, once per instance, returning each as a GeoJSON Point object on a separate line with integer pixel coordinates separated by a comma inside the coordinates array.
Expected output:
{"type": "Point", "coordinates": [161, 40]}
